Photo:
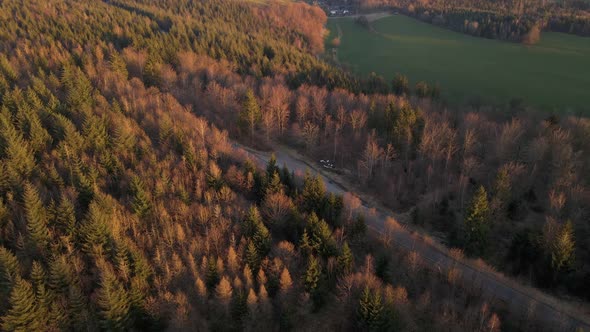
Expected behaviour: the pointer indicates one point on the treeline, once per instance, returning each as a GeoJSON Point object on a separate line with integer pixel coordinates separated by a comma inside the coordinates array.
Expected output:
{"type": "Point", "coordinates": [519, 21]}
{"type": "Point", "coordinates": [121, 209]}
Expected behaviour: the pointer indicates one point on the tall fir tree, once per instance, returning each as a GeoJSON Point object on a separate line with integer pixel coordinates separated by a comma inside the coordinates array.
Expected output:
{"type": "Point", "coordinates": [476, 223]}
{"type": "Point", "coordinates": [250, 114]}
{"type": "Point", "coordinates": [36, 218]}
{"type": "Point", "coordinates": [23, 315]}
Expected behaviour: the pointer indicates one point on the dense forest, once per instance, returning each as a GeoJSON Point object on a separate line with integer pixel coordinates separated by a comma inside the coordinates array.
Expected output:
{"type": "Point", "coordinates": [512, 20]}
{"type": "Point", "coordinates": [124, 204]}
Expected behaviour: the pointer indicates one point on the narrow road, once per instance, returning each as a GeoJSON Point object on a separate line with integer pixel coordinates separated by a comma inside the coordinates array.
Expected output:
{"type": "Point", "coordinates": [558, 315]}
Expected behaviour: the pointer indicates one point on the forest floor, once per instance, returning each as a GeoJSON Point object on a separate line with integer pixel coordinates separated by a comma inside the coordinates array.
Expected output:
{"type": "Point", "coordinates": [561, 314]}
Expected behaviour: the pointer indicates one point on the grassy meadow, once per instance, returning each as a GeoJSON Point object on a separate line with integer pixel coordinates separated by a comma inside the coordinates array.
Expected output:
{"type": "Point", "coordinates": [553, 75]}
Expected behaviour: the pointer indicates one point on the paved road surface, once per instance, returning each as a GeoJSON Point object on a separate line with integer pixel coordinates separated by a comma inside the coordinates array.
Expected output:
{"type": "Point", "coordinates": [519, 298]}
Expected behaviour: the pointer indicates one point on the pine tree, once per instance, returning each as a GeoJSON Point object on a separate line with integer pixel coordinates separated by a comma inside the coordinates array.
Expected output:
{"type": "Point", "coordinates": [66, 217]}
{"type": "Point", "coordinates": [271, 166]}
{"type": "Point", "coordinates": [314, 192]}
{"type": "Point", "coordinates": [118, 65]}
{"type": "Point", "coordinates": [312, 274]}
{"type": "Point", "coordinates": [345, 260]}
{"type": "Point", "coordinates": [36, 218]}
{"type": "Point", "coordinates": [239, 306]}
{"type": "Point", "coordinates": [252, 256]}
{"type": "Point", "coordinates": [140, 200]}
{"type": "Point", "coordinates": [212, 275]}
{"type": "Point", "coordinates": [370, 311]}
{"type": "Point", "coordinates": [9, 271]}
{"type": "Point", "coordinates": [476, 222]}
{"type": "Point", "coordinates": [274, 186]}
{"type": "Point", "coordinates": [262, 240]}
{"type": "Point", "coordinates": [114, 303]}
{"type": "Point", "coordinates": [250, 114]}
{"type": "Point", "coordinates": [23, 312]}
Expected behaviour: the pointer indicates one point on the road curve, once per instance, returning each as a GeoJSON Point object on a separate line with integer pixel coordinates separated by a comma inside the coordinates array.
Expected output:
{"type": "Point", "coordinates": [517, 297]}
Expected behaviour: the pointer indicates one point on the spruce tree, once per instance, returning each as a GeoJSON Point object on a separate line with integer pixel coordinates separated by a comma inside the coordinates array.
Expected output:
{"type": "Point", "coordinates": [345, 260]}
{"type": "Point", "coordinates": [476, 222]}
{"type": "Point", "coordinates": [252, 256]}
{"type": "Point", "coordinates": [36, 218]}
{"type": "Point", "coordinates": [212, 274]}
{"type": "Point", "coordinates": [250, 114]}
{"type": "Point", "coordinates": [113, 301]}
{"type": "Point", "coordinates": [9, 271]}
{"type": "Point", "coordinates": [23, 312]}
{"type": "Point", "coordinates": [370, 310]}
{"type": "Point", "coordinates": [140, 199]}
{"type": "Point", "coordinates": [312, 275]}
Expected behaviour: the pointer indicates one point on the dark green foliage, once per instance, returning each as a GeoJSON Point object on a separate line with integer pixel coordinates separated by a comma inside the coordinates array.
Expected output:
{"type": "Point", "coordinates": [118, 65]}
{"type": "Point", "coordinates": [320, 239]}
{"type": "Point", "coordinates": [313, 194]}
{"type": "Point", "coordinates": [23, 312]}
{"type": "Point", "coordinates": [66, 217]}
{"type": "Point", "coordinates": [239, 306]}
{"type": "Point", "coordinates": [140, 202]}
{"type": "Point", "coordinates": [9, 271]}
{"type": "Point", "coordinates": [345, 260]}
{"type": "Point", "coordinates": [370, 310]}
{"type": "Point", "coordinates": [212, 275]}
{"type": "Point", "coordinates": [249, 116]}
{"type": "Point", "coordinates": [36, 218]}
{"type": "Point", "coordinates": [114, 304]}
{"type": "Point", "coordinates": [252, 257]}
{"type": "Point", "coordinates": [313, 274]}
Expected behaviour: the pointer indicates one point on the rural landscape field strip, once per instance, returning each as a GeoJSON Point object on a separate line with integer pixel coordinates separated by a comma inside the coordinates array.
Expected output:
{"type": "Point", "coordinates": [551, 75]}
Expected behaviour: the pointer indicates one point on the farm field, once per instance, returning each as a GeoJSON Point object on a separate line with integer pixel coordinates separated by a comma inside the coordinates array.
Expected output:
{"type": "Point", "coordinates": [553, 75]}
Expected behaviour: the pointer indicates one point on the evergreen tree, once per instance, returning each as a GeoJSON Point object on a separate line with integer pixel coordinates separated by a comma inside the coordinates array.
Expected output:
{"type": "Point", "coordinates": [118, 65]}
{"type": "Point", "coordinates": [314, 193]}
{"type": "Point", "coordinates": [274, 186]}
{"type": "Point", "coordinates": [370, 310]}
{"type": "Point", "coordinates": [113, 301]}
{"type": "Point", "coordinates": [212, 274]}
{"type": "Point", "coordinates": [345, 260]}
{"type": "Point", "coordinates": [312, 275]}
{"type": "Point", "coordinates": [9, 271]}
{"type": "Point", "coordinates": [23, 314]}
{"type": "Point", "coordinates": [36, 218]}
{"type": "Point", "coordinates": [140, 201]}
{"type": "Point", "coordinates": [271, 166]}
{"type": "Point", "coordinates": [66, 217]}
{"type": "Point", "coordinates": [252, 256]}
{"type": "Point", "coordinates": [476, 222]}
{"type": "Point", "coordinates": [261, 239]}
{"type": "Point", "coordinates": [250, 114]}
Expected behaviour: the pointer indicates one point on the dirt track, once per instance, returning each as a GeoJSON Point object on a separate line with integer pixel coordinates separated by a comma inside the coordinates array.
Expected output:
{"type": "Point", "coordinates": [557, 314]}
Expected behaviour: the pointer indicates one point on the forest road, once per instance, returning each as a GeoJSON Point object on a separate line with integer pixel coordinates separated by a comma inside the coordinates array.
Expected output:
{"type": "Point", "coordinates": [522, 299]}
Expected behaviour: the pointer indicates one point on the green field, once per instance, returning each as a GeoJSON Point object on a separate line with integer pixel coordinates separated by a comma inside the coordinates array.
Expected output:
{"type": "Point", "coordinates": [553, 75]}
